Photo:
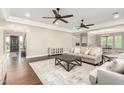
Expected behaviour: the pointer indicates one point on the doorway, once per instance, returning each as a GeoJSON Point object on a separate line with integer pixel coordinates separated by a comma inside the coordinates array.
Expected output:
{"type": "Point", "coordinates": [14, 43]}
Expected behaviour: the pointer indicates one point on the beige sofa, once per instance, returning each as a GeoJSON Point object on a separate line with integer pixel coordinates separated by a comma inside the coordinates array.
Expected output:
{"type": "Point", "coordinates": [110, 73]}
{"type": "Point", "coordinates": [92, 55]}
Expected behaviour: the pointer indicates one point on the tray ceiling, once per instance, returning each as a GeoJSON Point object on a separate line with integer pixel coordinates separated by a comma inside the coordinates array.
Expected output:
{"type": "Point", "coordinates": [96, 16]}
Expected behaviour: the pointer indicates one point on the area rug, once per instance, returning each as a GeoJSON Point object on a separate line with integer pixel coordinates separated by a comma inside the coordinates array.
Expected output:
{"type": "Point", "coordinates": [50, 74]}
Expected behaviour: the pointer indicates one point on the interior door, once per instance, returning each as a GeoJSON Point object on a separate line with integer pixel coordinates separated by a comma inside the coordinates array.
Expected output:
{"type": "Point", "coordinates": [14, 43]}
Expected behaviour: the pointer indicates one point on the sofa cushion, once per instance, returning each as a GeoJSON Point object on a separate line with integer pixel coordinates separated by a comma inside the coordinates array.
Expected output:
{"type": "Point", "coordinates": [83, 50]}
{"type": "Point", "coordinates": [77, 50]}
{"type": "Point", "coordinates": [88, 56]}
{"type": "Point", "coordinates": [79, 55]}
{"type": "Point", "coordinates": [92, 51]}
{"type": "Point", "coordinates": [95, 50]}
{"type": "Point", "coordinates": [117, 65]}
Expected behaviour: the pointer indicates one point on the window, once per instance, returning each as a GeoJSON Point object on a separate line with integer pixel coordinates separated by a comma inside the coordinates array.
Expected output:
{"type": "Point", "coordinates": [107, 41]}
{"type": "Point", "coordinates": [118, 41]}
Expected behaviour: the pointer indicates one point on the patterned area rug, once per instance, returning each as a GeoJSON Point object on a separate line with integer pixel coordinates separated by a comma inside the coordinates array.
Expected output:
{"type": "Point", "coordinates": [50, 74]}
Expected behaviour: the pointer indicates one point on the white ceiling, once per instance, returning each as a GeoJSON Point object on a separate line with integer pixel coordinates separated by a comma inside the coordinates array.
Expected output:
{"type": "Point", "coordinates": [96, 16]}
{"type": "Point", "coordinates": [114, 29]}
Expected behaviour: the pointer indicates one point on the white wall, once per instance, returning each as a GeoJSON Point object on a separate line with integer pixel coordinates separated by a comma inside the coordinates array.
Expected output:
{"type": "Point", "coordinates": [91, 39]}
{"type": "Point", "coordinates": [1, 42]}
{"type": "Point", "coordinates": [76, 39]}
{"type": "Point", "coordinates": [38, 41]}
{"type": "Point", "coordinates": [84, 39]}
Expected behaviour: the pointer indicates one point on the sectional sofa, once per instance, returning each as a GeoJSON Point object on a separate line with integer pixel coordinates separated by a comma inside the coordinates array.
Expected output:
{"type": "Point", "coordinates": [110, 73]}
{"type": "Point", "coordinates": [92, 55]}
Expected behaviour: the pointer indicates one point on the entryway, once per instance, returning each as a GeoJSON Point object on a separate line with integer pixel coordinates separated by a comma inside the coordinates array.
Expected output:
{"type": "Point", "coordinates": [15, 43]}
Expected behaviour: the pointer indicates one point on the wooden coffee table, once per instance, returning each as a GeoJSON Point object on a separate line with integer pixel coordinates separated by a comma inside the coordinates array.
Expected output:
{"type": "Point", "coordinates": [68, 61]}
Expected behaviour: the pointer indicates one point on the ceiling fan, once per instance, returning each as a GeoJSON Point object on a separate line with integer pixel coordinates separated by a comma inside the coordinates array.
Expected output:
{"type": "Point", "coordinates": [58, 16]}
{"type": "Point", "coordinates": [82, 25]}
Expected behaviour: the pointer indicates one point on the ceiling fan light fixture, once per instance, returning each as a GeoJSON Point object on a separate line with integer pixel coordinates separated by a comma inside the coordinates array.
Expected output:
{"type": "Point", "coordinates": [58, 16]}
{"type": "Point", "coordinates": [116, 15]}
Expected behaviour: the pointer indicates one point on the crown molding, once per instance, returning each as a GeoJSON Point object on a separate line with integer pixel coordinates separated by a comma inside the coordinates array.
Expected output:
{"type": "Point", "coordinates": [37, 24]}
{"type": "Point", "coordinates": [8, 17]}
{"type": "Point", "coordinates": [58, 28]}
{"type": "Point", "coordinates": [103, 26]}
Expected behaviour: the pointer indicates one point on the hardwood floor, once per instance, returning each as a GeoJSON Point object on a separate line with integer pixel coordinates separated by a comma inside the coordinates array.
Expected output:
{"type": "Point", "coordinates": [20, 72]}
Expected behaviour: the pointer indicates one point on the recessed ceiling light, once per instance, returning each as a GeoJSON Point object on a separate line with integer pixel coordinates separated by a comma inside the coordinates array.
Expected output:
{"type": "Point", "coordinates": [116, 15]}
{"type": "Point", "coordinates": [27, 15]}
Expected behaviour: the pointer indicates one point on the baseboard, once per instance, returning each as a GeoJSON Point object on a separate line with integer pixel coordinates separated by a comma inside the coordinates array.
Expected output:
{"type": "Point", "coordinates": [34, 56]}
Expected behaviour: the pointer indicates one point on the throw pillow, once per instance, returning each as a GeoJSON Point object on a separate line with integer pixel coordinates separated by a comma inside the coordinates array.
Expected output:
{"type": "Point", "coordinates": [83, 49]}
{"type": "Point", "coordinates": [92, 51]}
{"type": "Point", "coordinates": [87, 51]}
{"type": "Point", "coordinates": [117, 66]}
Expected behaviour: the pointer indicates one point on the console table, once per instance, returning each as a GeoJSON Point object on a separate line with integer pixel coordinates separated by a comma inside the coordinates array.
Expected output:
{"type": "Point", "coordinates": [55, 51]}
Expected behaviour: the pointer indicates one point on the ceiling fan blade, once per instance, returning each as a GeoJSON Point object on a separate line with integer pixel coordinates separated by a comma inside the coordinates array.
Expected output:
{"type": "Point", "coordinates": [49, 17]}
{"type": "Point", "coordinates": [86, 27]}
{"type": "Point", "coordinates": [55, 13]}
{"type": "Point", "coordinates": [90, 25]}
{"type": "Point", "coordinates": [55, 21]}
{"type": "Point", "coordinates": [66, 16]}
{"type": "Point", "coordinates": [63, 20]}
